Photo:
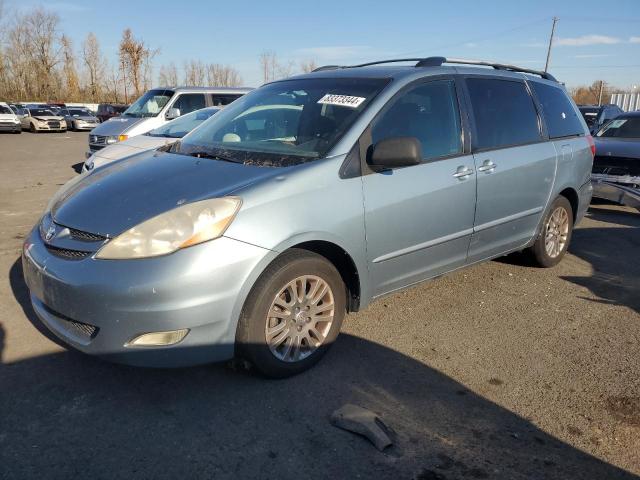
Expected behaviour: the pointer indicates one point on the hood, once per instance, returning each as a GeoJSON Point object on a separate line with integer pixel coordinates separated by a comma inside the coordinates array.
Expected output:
{"type": "Point", "coordinates": [132, 145]}
{"type": "Point", "coordinates": [119, 196]}
{"type": "Point", "coordinates": [617, 147]}
{"type": "Point", "coordinates": [117, 125]}
{"type": "Point", "coordinates": [48, 117]}
{"type": "Point", "coordinates": [8, 116]}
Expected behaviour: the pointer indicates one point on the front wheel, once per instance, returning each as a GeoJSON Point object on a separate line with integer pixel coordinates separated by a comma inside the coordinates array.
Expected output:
{"type": "Point", "coordinates": [553, 241]}
{"type": "Point", "coordinates": [292, 315]}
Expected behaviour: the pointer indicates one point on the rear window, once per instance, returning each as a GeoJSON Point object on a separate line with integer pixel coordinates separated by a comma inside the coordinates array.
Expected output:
{"type": "Point", "coordinates": [5, 110]}
{"type": "Point", "coordinates": [504, 113]}
{"type": "Point", "coordinates": [559, 114]}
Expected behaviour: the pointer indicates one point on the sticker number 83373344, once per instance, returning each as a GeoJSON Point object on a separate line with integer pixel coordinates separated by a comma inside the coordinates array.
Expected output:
{"type": "Point", "coordinates": [341, 100]}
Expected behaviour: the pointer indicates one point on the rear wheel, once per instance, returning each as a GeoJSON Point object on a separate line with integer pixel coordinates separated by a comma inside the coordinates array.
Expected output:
{"type": "Point", "coordinates": [292, 315]}
{"type": "Point", "coordinates": [32, 128]}
{"type": "Point", "coordinates": [553, 241]}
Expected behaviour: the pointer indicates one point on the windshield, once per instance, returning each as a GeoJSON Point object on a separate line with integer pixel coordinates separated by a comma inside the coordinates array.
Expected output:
{"type": "Point", "coordinates": [40, 111]}
{"type": "Point", "coordinates": [5, 110]}
{"type": "Point", "coordinates": [284, 122]}
{"type": "Point", "coordinates": [622, 128]}
{"type": "Point", "coordinates": [79, 112]}
{"type": "Point", "coordinates": [179, 127]}
{"type": "Point", "coordinates": [149, 104]}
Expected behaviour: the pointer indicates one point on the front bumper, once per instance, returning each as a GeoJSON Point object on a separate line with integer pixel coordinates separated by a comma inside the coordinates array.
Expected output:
{"type": "Point", "coordinates": [97, 306]}
{"type": "Point", "coordinates": [10, 127]}
{"type": "Point", "coordinates": [48, 128]}
{"type": "Point", "coordinates": [85, 126]}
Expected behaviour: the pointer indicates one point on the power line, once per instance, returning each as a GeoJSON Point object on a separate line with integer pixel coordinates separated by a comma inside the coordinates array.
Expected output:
{"type": "Point", "coordinates": [477, 39]}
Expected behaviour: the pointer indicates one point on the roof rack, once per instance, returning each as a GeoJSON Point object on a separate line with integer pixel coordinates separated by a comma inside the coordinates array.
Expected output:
{"type": "Point", "coordinates": [438, 61]}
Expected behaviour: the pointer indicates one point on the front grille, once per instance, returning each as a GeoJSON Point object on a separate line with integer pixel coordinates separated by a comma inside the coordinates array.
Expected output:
{"type": "Point", "coordinates": [97, 140]}
{"type": "Point", "coordinates": [83, 330]}
{"type": "Point", "coordinates": [67, 253]}
{"type": "Point", "coordinates": [7, 124]}
{"type": "Point", "coordinates": [86, 236]}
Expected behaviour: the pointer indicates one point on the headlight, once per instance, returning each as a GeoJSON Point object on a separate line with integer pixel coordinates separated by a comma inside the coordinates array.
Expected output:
{"type": "Point", "coordinates": [181, 227]}
{"type": "Point", "coordinates": [111, 140]}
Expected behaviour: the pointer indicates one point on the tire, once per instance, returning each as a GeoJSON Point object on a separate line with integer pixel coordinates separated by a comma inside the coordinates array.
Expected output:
{"type": "Point", "coordinates": [281, 358]}
{"type": "Point", "coordinates": [554, 238]}
{"type": "Point", "coordinates": [32, 128]}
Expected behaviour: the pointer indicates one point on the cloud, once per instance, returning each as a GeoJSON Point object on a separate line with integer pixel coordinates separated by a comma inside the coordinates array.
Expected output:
{"type": "Point", "coordinates": [634, 39]}
{"type": "Point", "coordinates": [470, 45]}
{"type": "Point", "coordinates": [587, 40]}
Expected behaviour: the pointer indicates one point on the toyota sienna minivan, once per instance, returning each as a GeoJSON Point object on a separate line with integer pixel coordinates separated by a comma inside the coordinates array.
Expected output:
{"type": "Point", "coordinates": [303, 200]}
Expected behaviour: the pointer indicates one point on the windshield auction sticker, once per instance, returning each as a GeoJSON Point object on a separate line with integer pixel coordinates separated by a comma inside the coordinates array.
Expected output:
{"type": "Point", "coordinates": [341, 100]}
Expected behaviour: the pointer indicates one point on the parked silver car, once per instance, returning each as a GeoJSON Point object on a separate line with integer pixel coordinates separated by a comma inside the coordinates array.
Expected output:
{"type": "Point", "coordinates": [164, 135]}
{"type": "Point", "coordinates": [79, 118]}
{"type": "Point", "coordinates": [305, 199]}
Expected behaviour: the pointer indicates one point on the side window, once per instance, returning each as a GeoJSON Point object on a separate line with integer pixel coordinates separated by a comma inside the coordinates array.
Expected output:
{"type": "Point", "coordinates": [504, 113]}
{"type": "Point", "coordinates": [559, 113]}
{"type": "Point", "coordinates": [189, 102]}
{"type": "Point", "coordinates": [428, 112]}
{"type": "Point", "coordinates": [220, 100]}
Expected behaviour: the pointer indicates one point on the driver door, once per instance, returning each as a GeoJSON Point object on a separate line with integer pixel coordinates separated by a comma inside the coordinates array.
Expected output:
{"type": "Point", "coordinates": [419, 219]}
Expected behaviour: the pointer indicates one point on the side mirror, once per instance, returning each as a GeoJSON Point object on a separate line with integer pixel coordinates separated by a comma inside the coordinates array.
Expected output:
{"type": "Point", "coordinates": [395, 152]}
{"type": "Point", "coordinates": [172, 113]}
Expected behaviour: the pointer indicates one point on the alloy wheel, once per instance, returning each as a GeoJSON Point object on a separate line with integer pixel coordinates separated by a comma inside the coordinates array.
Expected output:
{"type": "Point", "coordinates": [556, 232]}
{"type": "Point", "coordinates": [300, 318]}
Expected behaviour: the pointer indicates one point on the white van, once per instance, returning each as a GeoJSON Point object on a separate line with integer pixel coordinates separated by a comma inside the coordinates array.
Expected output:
{"type": "Point", "coordinates": [157, 107]}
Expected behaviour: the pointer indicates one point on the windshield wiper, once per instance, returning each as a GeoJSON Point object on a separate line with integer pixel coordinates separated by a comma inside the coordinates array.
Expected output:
{"type": "Point", "coordinates": [212, 156]}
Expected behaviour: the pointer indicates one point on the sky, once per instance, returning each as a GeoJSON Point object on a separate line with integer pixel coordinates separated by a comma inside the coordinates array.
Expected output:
{"type": "Point", "coordinates": [594, 40]}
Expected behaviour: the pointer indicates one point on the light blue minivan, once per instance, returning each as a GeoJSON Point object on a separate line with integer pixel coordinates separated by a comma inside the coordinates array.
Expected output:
{"type": "Point", "coordinates": [305, 199]}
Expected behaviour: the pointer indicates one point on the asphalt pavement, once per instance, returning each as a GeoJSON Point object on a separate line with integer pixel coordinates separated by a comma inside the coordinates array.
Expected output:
{"type": "Point", "coordinates": [501, 370]}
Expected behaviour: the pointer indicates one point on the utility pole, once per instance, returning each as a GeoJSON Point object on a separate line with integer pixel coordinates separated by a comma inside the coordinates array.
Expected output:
{"type": "Point", "coordinates": [600, 93]}
{"type": "Point", "coordinates": [553, 29]}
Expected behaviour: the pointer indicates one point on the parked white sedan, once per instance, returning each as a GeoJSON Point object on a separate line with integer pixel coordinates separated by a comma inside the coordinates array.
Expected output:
{"type": "Point", "coordinates": [164, 135]}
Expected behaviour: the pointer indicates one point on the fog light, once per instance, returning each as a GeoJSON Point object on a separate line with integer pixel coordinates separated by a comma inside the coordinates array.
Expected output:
{"type": "Point", "coordinates": [157, 339]}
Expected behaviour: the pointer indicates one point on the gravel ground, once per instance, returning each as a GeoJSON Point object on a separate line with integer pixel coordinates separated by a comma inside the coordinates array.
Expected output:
{"type": "Point", "coordinates": [498, 371]}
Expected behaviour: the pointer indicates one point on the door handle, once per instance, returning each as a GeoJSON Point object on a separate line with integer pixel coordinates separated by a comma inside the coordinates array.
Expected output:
{"type": "Point", "coordinates": [487, 166]}
{"type": "Point", "coordinates": [463, 172]}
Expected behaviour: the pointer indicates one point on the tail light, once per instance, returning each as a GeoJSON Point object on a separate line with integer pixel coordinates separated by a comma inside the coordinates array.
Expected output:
{"type": "Point", "coordinates": [592, 144]}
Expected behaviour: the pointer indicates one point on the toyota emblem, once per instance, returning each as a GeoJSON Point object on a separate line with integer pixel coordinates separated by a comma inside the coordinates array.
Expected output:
{"type": "Point", "coordinates": [51, 232]}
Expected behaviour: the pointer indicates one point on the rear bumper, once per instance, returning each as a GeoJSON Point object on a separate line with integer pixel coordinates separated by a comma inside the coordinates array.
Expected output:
{"type": "Point", "coordinates": [200, 288]}
{"type": "Point", "coordinates": [584, 199]}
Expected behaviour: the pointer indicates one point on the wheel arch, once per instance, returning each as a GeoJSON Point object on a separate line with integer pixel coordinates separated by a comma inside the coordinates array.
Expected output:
{"type": "Point", "coordinates": [571, 194]}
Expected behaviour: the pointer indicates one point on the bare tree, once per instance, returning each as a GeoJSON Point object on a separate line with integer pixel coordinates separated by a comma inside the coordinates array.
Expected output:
{"type": "Point", "coordinates": [223, 76]}
{"type": "Point", "coordinates": [33, 52]}
{"type": "Point", "coordinates": [112, 84]}
{"type": "Point", "coordinates": [272, 68]}
{"type": "Point", "coordinates": [94, 64]}
{"type": "Point", "coordinates": [268, 65]}
{"type": "Point", "coordinates": [308, 66]}
{"type": "Point", "coordinates": [195, 73]}
{"type": "Point", "coordinates": [69, 71]}
{"type": "Point", "coordinates": [168, 75]}
{"type": "Point", "coordinates": [135, 61]}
